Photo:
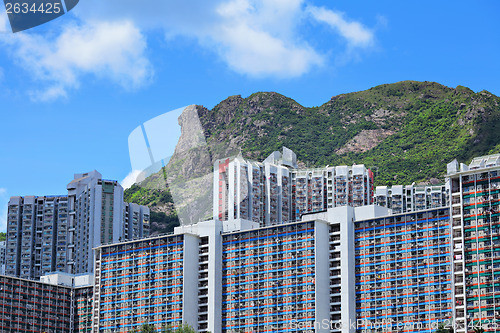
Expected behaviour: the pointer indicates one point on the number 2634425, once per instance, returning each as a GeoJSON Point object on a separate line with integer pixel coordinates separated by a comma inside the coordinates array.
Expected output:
{"type": "Point", "coordinates": [25, 8]}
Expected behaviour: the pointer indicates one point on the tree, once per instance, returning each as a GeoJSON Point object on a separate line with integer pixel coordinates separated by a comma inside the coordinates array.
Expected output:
{"type": "Point", "coordinates": [182, 329]}
{"type": "Point", "coordinates": [148, 328]}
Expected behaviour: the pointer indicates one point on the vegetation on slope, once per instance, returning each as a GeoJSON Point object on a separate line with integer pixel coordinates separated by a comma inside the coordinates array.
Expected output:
{"type": "Point", "coordinates": [147, 196]}
{"type": "Point", "coordinates": [405, 132]}
{"type": "Point", "coordinates": [163, 217]}
{"type": "Point", "coordinates": [426, 126]}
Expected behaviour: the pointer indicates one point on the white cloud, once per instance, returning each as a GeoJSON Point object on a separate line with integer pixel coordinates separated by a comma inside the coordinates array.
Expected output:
{"type": "Point", "coordinates": [4, 27]}
{"type": "Point", "coordinates": [110, 50]}
{"type": "Point", "coordinates": [259, 38]}
{"type": "Point", "coordinates": [354, 32]}
{"type": "Point", "coordinates": [253, 37]}
{"type": "Point", "coordinates": [49, 94]}
{"type": "Point", "coordinates": [253, 41]}
{"type": "Point", "coordinates": [130, 179]}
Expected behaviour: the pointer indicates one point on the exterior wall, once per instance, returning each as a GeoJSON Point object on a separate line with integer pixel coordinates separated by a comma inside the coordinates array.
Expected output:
{"type": "Point", "coordinates": [60, 279]}
{"type": "Point", "coordinates": [411, 198]}
{"type": "Point", "coordinates": [345, 215]}
{"type": "Point", "coordinates": [341, 262]}
{"type": "Point", "coordinates": [404, 272]}
{"type": "Point", "coordinates": [3, 246]}
{"type": "Point", "coordinates": [99, 216]}
{"type": "Point", "coordinates": [191, 279]}
{"type": "Point", "coordinates": [36, 235]}
{"type": "Point", "coordinates": [136, 222]}
{"type": "Point", "coordinates": [213, 231]}
{"type": "Point", "coordinates": [335, 267]}
{"type": "Point", "coordinates": [269, 279]}
{"type": "Point", "coordinates": [144, 281]}
{"type": "Point", "coordinates": [221, 189]}
{"type": "Point", "coordinates": [82, 201]}
{"type": "Point", "coordinates": [480, 205]}
{"type": "Point", "coordinates": [82, 309]}
{"type": "Point", "coordinates": [30, 306]}
{"type": "Point", "coordinates": [14, 229]}
{"type": "Point", "coordinates": [257, 202]}
{"type": "Point", "coordinates": [310, 189]}
{"type": "Point", "coordinates": [252, 191]}
{"type": "Point", "coordinates": [277, 194]}
{"type": "Point", "coordinates": [341, 187]}
{"type": "Point", "coordinates": [210, 271]}
{"type": "Point", "coordinates": [475, 200]}
{"type": "Point", "coordinates": [322, 276]}
{"type": "Point", "coordinates": [58, 233]}
{"type": "Point", "coordinates": [60, 245]}
{"type": "Point", "coordinates": [275, 191]}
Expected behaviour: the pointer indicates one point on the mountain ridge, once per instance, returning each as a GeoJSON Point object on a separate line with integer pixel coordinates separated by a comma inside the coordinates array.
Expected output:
{"type": "Point", "coordinates": [406, 131]}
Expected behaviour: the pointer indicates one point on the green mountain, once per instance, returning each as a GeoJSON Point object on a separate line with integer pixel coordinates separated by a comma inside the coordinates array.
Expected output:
{"type": "Point", "coordinates": [405, 132]}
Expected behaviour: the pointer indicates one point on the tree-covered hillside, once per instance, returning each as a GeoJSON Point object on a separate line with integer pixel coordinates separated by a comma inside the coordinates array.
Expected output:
{"type": "Point", "coordinates": [406, 132]}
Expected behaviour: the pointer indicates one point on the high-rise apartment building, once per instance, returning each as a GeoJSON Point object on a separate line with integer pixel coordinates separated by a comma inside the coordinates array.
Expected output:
{"type": "Point", "coordinates": [273, 278]}
{"type": "Point", "coordinates": [148, 281]}
{"type": "Point", "coordinates": [411, 198]}
{"type": "Point", "coordinates": [315, 190]}
{"type": "Point", "coordinates": [3, 246]}
{"type": "Point", "coordinates": [57, 233]}
{"type": "Point", "coordinates": [36, 235]}
{"type": "Point", "coordinates": [410, 271]}
{"type": "Point", "coordinates": [33, 306]}
{"type": "Point", "coordinates": [250, 190]}
{"type": "Point", "coordinates": [475, 207]}
{"type": "Point", "coordinates": [404, 272]}
{"type": "Point", "coordinates": [136, 221]}
{"type": "Point", "coordinates": [276, 191]}
{"type": "Point", "coordinates": [344, 270]}
{"type": "Point", "coordinates": [234, 276]}
{"type": "Point", "coordinates": [98, 216]}
{"type": "Point", "coordinates": [336, 266]}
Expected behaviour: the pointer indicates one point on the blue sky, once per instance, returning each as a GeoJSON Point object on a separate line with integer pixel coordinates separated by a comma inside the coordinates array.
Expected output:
{"type": "Point", "coordinates": [72, 90]}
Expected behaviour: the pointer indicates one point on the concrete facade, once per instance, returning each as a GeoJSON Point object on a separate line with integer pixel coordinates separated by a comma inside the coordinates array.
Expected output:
{"type": "Point", "coordinates": [275, 191]}
{"type": "Point", "coordinates": [411, 198]}
{"type": "Point", "coordinates": [36, 235]}
{"type": "Point", "coordinates": [475, 209]}
{"type": "Point", "coordinates": [3, 251]}
{"type": "Point", "coordinates": [32, 306]}
{"type": "Point", "coordinates": [58, 233]}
